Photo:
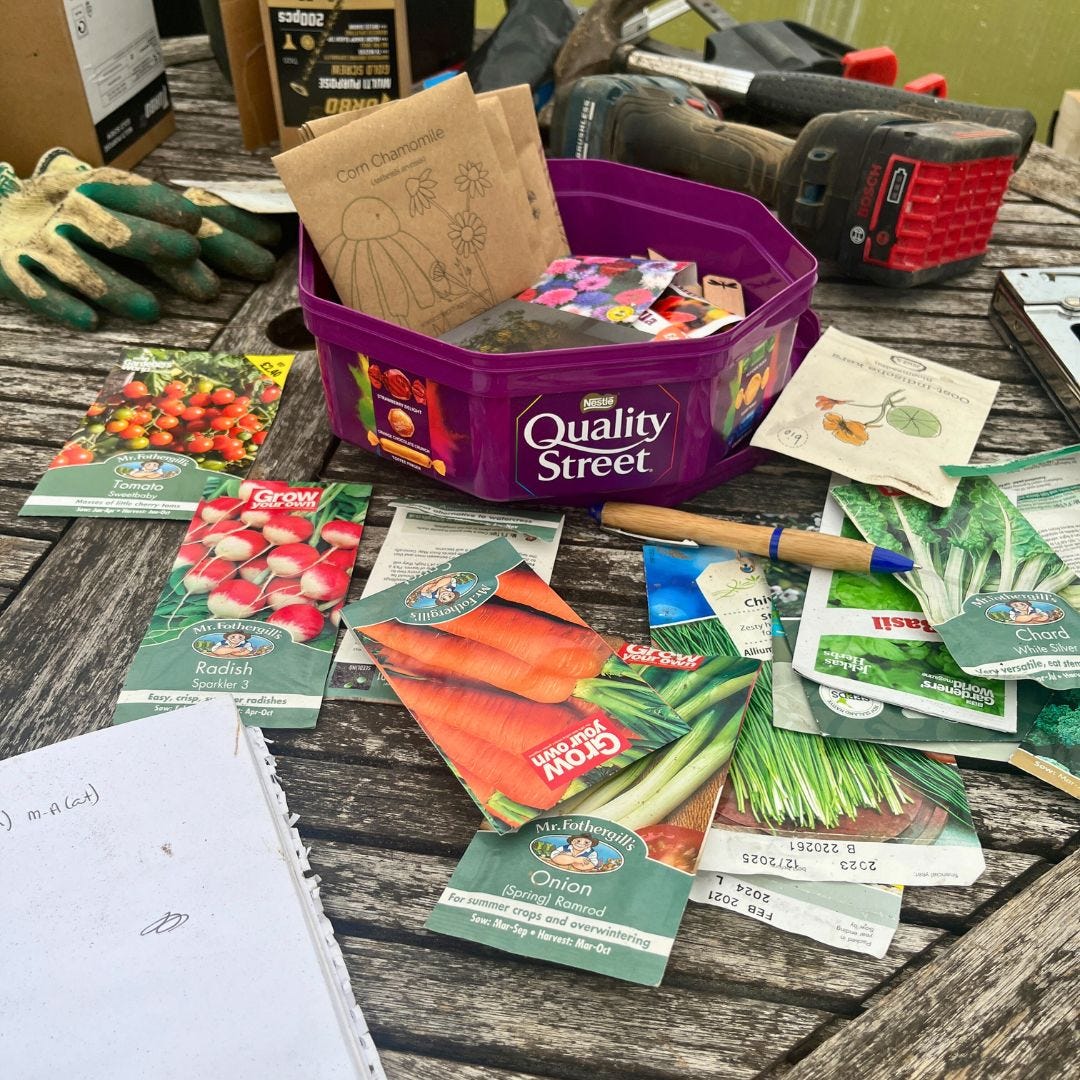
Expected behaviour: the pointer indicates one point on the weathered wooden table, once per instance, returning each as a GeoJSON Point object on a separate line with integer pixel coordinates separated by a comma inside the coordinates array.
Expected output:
{"type": "Point", "coordinates": [979, 982]}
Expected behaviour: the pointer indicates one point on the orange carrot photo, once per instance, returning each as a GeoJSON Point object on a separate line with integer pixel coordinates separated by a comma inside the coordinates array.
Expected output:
{"type": "Point", "coordinates": [527, 704]}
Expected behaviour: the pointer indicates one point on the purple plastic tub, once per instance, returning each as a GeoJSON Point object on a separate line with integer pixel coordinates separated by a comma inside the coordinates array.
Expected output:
{"type": "Point", "coordinates": [655, 423]}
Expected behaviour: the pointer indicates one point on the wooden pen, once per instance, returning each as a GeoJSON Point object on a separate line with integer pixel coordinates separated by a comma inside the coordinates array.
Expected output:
{"type": "Point", "coordinates": [793, 545]}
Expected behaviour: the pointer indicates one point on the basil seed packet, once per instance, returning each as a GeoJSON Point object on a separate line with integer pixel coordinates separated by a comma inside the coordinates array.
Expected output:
{"type": "Point", "coordinates": [252, 606]}
{"type": "Point", "coordinates": [1003, 601]}
{"type": "Point", "coordinates": [602, 884]}
{"type": "Point", "coordinates": [165, 422]}
{"type": "Point", "coordinates": [864, 638]}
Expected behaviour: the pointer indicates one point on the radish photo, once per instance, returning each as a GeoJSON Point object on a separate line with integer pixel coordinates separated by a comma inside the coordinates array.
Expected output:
{"type": "Point", "coordinates": [268, 560]}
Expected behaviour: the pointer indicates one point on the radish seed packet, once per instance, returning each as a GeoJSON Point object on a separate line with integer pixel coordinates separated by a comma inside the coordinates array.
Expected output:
{"type": "Point", "coordinates": [165, 422]}
{"type": "Point", "coordinates": [253, 603]}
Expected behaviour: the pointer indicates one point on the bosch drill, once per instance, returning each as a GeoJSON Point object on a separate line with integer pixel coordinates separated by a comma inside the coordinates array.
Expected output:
{"type": "Point", "coordinates": [887, 197]}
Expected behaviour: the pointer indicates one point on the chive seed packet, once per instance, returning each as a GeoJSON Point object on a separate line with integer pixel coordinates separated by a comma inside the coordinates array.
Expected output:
{"type": "Point", "coordinates": [165, 422]}
{"type": "Point", "coordinates": [1003, 601]}
{"type": "Point", "coordinates": [252, 606]}
{"type": "Point", "coordinates": [603, 884]}
{"type": "Point", "coordinates": [527, 704]}
{"type": "Point", "coordinates": [809, 808]}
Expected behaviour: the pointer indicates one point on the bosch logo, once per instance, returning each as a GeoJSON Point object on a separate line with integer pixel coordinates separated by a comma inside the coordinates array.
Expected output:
{"type": "Point", "coordinates": [857, 234]}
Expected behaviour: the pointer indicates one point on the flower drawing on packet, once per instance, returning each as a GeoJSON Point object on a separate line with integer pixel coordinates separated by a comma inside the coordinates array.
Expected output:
{"type": "Point", "coordinates": [907, 419]}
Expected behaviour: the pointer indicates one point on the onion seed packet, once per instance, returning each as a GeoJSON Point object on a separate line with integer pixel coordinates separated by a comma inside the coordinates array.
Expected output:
{"type": "Point", "coordinates": [603, 883]}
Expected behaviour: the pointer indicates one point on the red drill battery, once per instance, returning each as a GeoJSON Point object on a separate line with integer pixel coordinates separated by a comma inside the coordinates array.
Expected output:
{"type": "Point", "coordinates": [896, 200]}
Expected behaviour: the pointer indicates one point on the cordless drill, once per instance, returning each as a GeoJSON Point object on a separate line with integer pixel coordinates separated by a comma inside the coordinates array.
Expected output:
{"type": "Point", "coordinates": [888, 197]}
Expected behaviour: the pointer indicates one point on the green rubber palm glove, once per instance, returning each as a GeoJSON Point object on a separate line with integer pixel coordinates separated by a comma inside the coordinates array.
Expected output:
{"type": "Point", "coordinates": [50, 224]}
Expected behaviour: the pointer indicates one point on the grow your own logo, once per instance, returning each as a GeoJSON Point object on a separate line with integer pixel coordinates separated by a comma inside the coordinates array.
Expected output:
{"type": "Point", "coordinates": [577, 853]}
{"type": "Point", "coordinates": [441, 591]}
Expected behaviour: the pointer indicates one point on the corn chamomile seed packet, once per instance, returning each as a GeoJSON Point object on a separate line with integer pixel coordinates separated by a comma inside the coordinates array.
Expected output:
{"type": "Point", "coordinates": [602, 884]}
{"type": "Point", "coordinates": [165, 422]}
{"type": "Point", "coordinates": [526, 703]}
{"type": "Point", "coordinates": [252, 605]}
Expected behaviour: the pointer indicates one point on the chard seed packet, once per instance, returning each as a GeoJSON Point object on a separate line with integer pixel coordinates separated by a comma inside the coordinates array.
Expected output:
{"type": "Point", "coordinates": [603, 884]}
{"type": "Point", "coordinates": [252, 606]}
{"type": "Point", "coordinates": [1003, 601]}
{"type": "Point", "coordinates": [866, 643]}
{"type": "Point", "coordinates": [165, 422]}
{"type": "Point", "coordinates": [526, 704]}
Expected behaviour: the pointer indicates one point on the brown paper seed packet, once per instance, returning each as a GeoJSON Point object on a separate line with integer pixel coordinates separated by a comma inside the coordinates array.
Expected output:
{"type": "Point", "coordinates": [410, 212]}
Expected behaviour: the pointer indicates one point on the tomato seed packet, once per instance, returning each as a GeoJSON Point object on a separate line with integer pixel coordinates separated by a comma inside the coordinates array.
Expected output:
{"type": "Point", "coordinates": [252, 606]}
{"type": "Point", "coordinates": [526, 704]}
{"type": "Point", "coordinates": [603, 884]}
{"type": "Point", "coordinates": [165, 422]}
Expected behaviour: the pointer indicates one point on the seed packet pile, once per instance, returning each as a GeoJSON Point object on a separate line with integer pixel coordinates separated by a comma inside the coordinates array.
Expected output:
{"type": "Point", "coordinates": [252, 606]}
{"type": "Point", "coordinates": [165, 422]}
{"type": "Point", "coordinates": [805, 807]}
{"type": "Point", "coordinates": [715, 598]}
{"type": "Point", "coordinates": [602, 884]}
{"type": "Point", "coordinates": [865, 640]}
{"type": "Point", "coordinates": [1003, 601]}
{"type": "Point", "coordinates": [600, 287]}
{"type": "Point", "coordinates": [526, 704]}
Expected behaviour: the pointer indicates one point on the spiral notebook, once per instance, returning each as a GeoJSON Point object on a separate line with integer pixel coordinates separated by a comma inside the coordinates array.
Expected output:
{"type": "Point", "coordinates": [159, 917]}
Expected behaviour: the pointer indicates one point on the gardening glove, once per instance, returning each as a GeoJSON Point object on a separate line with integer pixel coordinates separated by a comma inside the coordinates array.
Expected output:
{"type": "Point", "coordinates": [48, 222]}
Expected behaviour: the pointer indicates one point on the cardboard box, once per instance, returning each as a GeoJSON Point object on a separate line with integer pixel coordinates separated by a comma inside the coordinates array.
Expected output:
{"type": "Point", "coordinates": [1067, 126]}
{"type": "Point", "coordinates": [85, 74]}
{"type": "Point", "coordinates": [332, 56]}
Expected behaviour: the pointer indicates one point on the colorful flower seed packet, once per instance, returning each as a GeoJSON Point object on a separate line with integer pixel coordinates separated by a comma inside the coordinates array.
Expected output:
{"type": "Point", "coordinates": [607, 288]}
{"type": "Point", "coordinates": [165, 423]}
{"type": "Point", "coordinates": [252, 605]}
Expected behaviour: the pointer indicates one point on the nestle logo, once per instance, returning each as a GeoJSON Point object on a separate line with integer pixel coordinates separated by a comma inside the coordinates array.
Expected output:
{"type": "Point", "coordinates": [593, 402]}
{"type": "Point", "coordinates": [299, 500]}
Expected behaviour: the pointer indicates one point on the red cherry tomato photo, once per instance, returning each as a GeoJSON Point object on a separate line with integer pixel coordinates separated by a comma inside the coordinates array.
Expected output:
{"type": "Point", "coordinates": [193, 412]}
{"type": "Point", "coordinates": [134, 389]}
{"type": "Point", "coordinates": [223, 396]}
{"type": "Point", "coordinates": [271, 393]}
{"type": "Point", "coordinates": [175, 389]}
{"type": "Point", "coordinates": [161, 438]}
{"type": "Point", "coordinates": [166, 422]}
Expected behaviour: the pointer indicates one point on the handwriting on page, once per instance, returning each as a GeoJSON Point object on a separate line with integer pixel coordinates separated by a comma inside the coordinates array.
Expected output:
{"type": "Point", "coordinates": [57, 807]}
{"type": "Point", "coordinates": [169, 921]}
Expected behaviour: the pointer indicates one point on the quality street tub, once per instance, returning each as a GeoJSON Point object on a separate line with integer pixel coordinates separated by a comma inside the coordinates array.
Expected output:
{"type": "Point", "coordinates": [656, 422]}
